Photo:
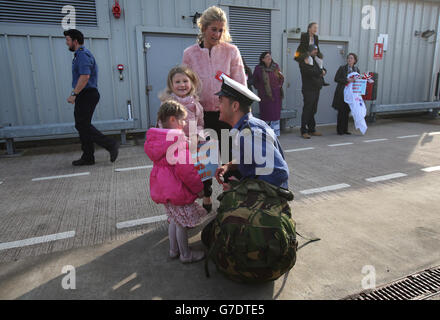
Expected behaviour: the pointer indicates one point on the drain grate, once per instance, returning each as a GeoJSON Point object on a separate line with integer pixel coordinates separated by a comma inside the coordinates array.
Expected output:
{"type": "Point", "coordinates": [419, 286]}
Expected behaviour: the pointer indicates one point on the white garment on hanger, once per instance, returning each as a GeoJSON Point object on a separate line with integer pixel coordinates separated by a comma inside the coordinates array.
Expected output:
{"type": "Point", "coordinates": [357, 105]}
{"type": "Point", "coordinates": [320, 62]}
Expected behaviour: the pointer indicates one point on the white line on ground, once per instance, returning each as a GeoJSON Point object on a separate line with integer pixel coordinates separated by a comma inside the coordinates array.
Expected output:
{"type": "Point", "coordinates": [376, 140]}
{"type": "Point", "coordinates": [326, 189]}
{"type": "Point", "coordinates": [434, 133]}
{"type": "Point", "coordinates": [432, 169]}
{"type": "Point", "coordinates": [1, 182]}
{"type": "Point", "coordinates": [408, 137]}
{"type": "Point", "coordinates": [387, 177]}
{"type": "Point", "coordinates": [134, 223]}
{"type": "Point", "coordinates": [298, 150]}
{"type": "Point", "coordinates": [340, 144]}
{"type": "Point", "coordinates": [125, 281]}
{"type": "Point", "coordinates": [133, 168]}
{"type": "Point", "coordinates": [34, 241]}
{"type": "Point", "coordinates": [62, 177]}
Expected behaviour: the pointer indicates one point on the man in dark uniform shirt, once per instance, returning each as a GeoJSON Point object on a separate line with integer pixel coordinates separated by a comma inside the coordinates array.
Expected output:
{"type": "Point", "coordinates": [85, 96]}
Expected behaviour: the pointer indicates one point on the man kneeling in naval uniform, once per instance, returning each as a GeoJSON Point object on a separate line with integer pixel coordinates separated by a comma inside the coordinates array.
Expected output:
{"type": "Point", "coordinates": [252, 239]}
{"type": "Point", "coordinates": [255, 136]}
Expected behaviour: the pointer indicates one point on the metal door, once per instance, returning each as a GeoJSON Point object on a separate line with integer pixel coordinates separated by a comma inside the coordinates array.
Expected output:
{"type": "Point", "coordinates": [163, 53]}
{"type": "Point", "coordinates": [334, 56]}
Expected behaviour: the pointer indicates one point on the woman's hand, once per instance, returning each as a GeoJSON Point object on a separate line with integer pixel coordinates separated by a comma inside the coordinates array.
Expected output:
{"type": "Point", "coordinates": [201, 194]}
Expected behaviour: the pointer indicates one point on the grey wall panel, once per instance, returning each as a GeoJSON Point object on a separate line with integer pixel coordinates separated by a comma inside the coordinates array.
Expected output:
{"type": "Point", "coordinates": [406, 52]}
{"type": "Point", "coordinates": [23, 72]}
{"type": "Point", "coordinates": [45, 81]}
{"type": "Point", "coordinates": [8, 110]}
{"type": "Point", "coordinates": [399, 53]}
{"type": "Point", "coordinates": [432, 22]}
{"type": "Point", "coordinates": [106, 107]}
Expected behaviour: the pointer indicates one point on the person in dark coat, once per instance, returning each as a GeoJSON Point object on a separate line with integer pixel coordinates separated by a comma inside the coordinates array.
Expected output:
{"type": "Point", "coordinates": [307, 39]}
{"type": "Point", "coordinates": [338, 101]}
{"type": "Point", "coordinates": [249, 75]}
{"type": "Point", "coordinates": [312, 81]}
{"type": "Point", "coordinates": [268, 80]}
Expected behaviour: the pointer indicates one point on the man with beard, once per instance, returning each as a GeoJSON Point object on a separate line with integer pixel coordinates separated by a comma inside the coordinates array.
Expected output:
{"type": "Point", "coordinates": [85, 96]}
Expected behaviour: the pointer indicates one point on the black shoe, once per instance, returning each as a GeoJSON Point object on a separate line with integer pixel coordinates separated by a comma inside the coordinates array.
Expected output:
{"type": "Point", "coordinates": [208, 207]}
{"type": "Point", "coordinates": [340, 134]}
{"type": "Point", "coordinates": [114, 152]}
{"type": "Point", "coordinates": [347, 133]}
{"type": "Point", "coordinates": [82, 162]}
{"type": "Point", "coordinates": [326, 84]}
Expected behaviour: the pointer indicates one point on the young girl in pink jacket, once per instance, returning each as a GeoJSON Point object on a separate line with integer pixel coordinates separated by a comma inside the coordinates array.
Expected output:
{"type": "Point", "coordinates": [183, 86]}
{"type": "Point", "coordinates": [174, 181]}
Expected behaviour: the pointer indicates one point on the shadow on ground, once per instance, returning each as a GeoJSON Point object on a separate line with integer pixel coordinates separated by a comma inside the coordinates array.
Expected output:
{"type": "Point", "coordinates": [141, 269]}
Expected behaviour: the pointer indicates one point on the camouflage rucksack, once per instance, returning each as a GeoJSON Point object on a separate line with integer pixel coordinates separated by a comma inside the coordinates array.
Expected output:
{"type": "Point", "coordinates": [253, 237]}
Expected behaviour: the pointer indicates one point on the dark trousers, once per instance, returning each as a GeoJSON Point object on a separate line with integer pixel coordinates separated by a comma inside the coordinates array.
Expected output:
{"type": "Point", "coordinates": [212, 122]}
{"type": "Point", "coordinates": [85, 106]}
{"type": "Point", "coordinates": [311, 99]}
{"type": "Point", "coordinates": [343, 114]}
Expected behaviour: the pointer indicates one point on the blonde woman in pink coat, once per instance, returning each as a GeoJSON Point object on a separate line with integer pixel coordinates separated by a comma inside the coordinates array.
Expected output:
{"type": "Point", "coordinates": [211, 56]}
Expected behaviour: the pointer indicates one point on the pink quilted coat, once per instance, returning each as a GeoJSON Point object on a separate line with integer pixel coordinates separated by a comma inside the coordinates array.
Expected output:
{"type": "Point", "coordinates": [177, 184]}
{"type": "Point", "coordinates": [225, 57]}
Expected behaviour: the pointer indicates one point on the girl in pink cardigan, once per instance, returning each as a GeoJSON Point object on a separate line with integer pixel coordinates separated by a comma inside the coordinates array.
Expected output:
{"type": "Point", "coordinates": [183, 86]}
{"type": "Point", "coordinates": [174, 181]}
{"type": "Point", "coordinates": [209, 57]}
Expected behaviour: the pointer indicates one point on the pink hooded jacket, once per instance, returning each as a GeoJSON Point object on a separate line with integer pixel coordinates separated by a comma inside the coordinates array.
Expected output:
{"type": "Point", "coordinates": [177, 184]}
{"type": "Point", "coordinates": [225, 57]}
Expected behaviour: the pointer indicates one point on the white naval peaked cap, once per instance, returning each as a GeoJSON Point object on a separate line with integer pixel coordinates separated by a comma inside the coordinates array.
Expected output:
{"type": "Point", "coordinates": [234, 89]}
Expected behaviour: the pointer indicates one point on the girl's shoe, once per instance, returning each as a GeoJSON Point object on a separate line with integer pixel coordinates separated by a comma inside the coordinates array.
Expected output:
{"type": "Point", "coordinates": [195, 256]}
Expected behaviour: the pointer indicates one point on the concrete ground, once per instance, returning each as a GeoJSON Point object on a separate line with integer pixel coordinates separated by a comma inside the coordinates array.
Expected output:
{"type": "Point", "coordinates": [392, 226]}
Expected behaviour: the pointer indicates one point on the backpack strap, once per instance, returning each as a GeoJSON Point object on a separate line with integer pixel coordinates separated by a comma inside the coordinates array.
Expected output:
{"type": "Point", "coordinates": [213, 248]}
{"type": "Point", "coordinates": [208, 257]}
{"type": "Point", "coordinates": [311, 240]}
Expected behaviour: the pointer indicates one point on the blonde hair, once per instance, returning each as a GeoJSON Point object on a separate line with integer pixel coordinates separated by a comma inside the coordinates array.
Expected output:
{"type": "Point", "coordinates": [187, 71]}
{"type": "Point", "coordinates": [210, 15]}
{"type": "Point", "coordinates": [169, 109]}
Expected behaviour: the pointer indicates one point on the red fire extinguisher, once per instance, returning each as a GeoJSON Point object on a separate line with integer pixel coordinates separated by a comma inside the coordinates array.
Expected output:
{"type": "Point", "coordinates": [116, 9]}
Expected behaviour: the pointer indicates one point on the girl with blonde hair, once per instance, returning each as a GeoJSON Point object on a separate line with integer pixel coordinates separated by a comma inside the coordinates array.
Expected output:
{"type": "Point", "coordinates": [183, 86]}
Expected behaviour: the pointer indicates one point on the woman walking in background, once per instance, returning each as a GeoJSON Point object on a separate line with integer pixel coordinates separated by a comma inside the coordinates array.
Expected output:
{"type": "Point", "coordinates": [338, 101]}
{"type": "Point", "coordinates": [268, 80]}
